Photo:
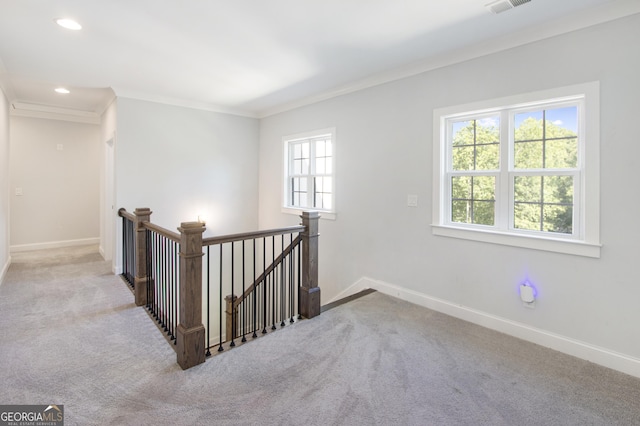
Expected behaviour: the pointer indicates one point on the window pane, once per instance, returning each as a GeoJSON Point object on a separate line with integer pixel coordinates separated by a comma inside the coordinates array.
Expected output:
{"type": "Point", "coordinates": [462, 133]}
{"type": "Point", "coordinates": [484, 188]}
{"type": "Point", "coordinates": [461, 187]}
{"type": "Point", "coordinates": [329, 148]}
{"type": "Point", "coordinates": [544, 203]}
{"type": "Point", "coordinates": [473, 199]}
{"type": "Point", "coordinates": [558, 189]}
{"type": "Point", "coordinates": [461, 211]}
{"type": "Point", "coordinates": [487, 157]}
{"type": "Point", "coordinates": [320, 166]}
{"type": "Point", "coordinates": [528, 155]}
{"type": "Point", "coordinates": [476, 144]}
{"type": "Point", "coordinates": [561, 153]}
{"type": "Point", "coordinates": [558, 219]}
{"type": "Point", "coordinates": [297, 167]}
{"type": "Point", "coordinates": [483, 212]}
{"type": "Point", "coordinates": [327, 199]}
{"type": "Point", "coordinates": [565, 118]}
{"type": "Point", "coordinates": [527, 216]}
{"type": "Point", "coordinates": [528, 189]}
{"type": "Point", "coordinates": [320, 150]}
{"type": "Point", "coordinates": [298, 191]}
{"type": "Point", "coordinates": [528, 126]}
{"type": "Point", "coordinates": [487, 130]}
{"type": "Point", "coordinates": [305, 150]}
{"type": "Point", "coordinates": [328, 166]}
{"type": "Point", "coordinates": [327, 183]}
{"type": "Point", "coordinates": [463, 158]}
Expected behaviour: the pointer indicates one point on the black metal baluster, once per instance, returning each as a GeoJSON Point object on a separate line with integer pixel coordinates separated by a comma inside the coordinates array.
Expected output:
{"type": "Point", "coordinates": [175, 291]}
{"type": "Point", "coordinates": [264, 286]}
{"type": "Point", "coordinates": [243, 325]}
{"type": "Point", "coordinates": [255, 289]}
{"type": "Point", "coordinates": [171, 283]}
{"type": "Point", "coordinates": [165, 272]}
{"type": "Point", "coordinates": [220, 348]}
{"type": "Point", "coordinates": [299, 281]}
{"type": "Point", "coordinates": [233, 309]}
{"type": "Point", "coordinates": [273, 283]}
{"type": "Point", "coordinates": [176, 280]}
{"type": "Point", "coordinates": [291, 293]}
{"type": "Point", "coordinates": [147, 237]}
{"type": "Point", "coordinates": [283, 304]}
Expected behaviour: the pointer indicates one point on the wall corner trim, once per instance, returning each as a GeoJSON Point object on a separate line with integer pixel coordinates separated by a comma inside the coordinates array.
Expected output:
{"type": "Point", "coordinates": [3, 271]}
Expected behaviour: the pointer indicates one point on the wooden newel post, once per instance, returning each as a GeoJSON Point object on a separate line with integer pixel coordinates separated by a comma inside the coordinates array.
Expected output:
{"type": "Point", "coordinates": [190, 338]}
{"type": "Point", "coordinates": [309, 290]}
{"type": "Point", "coordinates": [140, 280]}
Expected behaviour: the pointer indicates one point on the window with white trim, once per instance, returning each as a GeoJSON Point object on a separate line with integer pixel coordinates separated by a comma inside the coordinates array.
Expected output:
{"type": "Point", "coordinates": [521, 171]}
{"type": "Point", "coordinates": [309, 182]}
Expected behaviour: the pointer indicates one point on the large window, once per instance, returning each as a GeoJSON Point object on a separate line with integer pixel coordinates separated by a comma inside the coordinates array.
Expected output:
{"type": "Point", "coordinates": [521, 171]}
{"type": "Point", "coordinates": [309, 171]}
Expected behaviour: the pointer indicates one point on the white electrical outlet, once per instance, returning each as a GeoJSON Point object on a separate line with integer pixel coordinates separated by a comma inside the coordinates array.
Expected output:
{"type": "Point", "coordinates": [60, 147]}
{"type": "Point", "coordinates": [412, 200]}
{"type": "Point", "coordinates": [18, 191]}
{"type": "Point", "coordinates": [527, 295]}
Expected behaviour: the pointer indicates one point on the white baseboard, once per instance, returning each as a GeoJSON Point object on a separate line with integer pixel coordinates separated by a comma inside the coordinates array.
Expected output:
{"type": "Point", "coordinates": [4, 270]}
{"type": "Point", "coordinates": [54, 244]}
{"type": "Point", "coordinates": [602, 356]}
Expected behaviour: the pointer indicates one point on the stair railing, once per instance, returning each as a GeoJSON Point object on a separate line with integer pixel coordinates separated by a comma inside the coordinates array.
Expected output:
{"type": "Point", "coordinates": [181, 279]}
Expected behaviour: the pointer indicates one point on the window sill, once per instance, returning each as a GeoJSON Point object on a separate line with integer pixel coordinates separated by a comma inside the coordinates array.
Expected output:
{"type": "Point", "coordinates": [298, 212]}
{"type": "Point", "coordinates": [578, 248]}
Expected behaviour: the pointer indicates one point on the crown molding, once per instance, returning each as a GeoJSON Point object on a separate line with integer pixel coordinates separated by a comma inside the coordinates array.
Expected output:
{"type": "Point", "coordinates": [587, 18]}
{"type": "Point", "coordinates": [23, 109]}
{"type": "Point", "coordinates": [203, 106]}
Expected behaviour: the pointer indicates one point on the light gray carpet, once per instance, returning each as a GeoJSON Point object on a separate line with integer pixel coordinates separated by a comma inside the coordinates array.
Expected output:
{"type": "Point", "coordinates": [70, 334]}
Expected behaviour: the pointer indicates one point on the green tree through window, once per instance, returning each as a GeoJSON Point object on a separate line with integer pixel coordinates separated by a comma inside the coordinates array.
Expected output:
{"type": "Point", "coordinates": [545, 149]}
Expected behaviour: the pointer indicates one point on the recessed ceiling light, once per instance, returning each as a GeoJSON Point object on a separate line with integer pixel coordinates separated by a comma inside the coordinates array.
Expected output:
{"type": "Point", "coordinates": [62, 90]}
{"type": "Point", "coordinates": [69, 24]}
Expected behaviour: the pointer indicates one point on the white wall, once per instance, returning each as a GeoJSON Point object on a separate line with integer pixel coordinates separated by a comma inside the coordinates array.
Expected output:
{"type": "Point", "coordinates": [5, 258]}
{"type": "Point", "coordinates": [182, 163]}
{"type": "Point", "coordinates": [588, 307]}
{"type": "Point", "coordinates": [108, 209]}
{"type": "Point", "coordinates": [60, 200]}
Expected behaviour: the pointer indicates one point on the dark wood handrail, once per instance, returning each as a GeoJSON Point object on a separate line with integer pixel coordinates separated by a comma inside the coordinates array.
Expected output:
{"type": "Point", "coordinates": [277, 261]}
{"type": "Point", "coordinates": [162, 231]}
{"type": "Point", "coordinates": [250, 235]}
{"type": "Point", "coordinates": [124, 213]}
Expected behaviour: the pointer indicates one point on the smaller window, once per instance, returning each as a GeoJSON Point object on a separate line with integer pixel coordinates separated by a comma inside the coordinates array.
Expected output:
{"type": "Point", "coordinates": [309, 182]}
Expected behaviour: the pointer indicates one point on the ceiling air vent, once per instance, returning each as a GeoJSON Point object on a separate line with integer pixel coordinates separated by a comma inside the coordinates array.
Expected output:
{"type": "Point", "coordinates": [500, 6]}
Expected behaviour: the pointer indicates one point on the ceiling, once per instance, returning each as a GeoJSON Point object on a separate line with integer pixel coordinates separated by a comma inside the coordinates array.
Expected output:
{"type": "Point", "coordinates": [254, 57]}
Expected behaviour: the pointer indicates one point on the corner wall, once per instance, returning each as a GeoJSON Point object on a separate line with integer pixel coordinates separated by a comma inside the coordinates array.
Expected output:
{"type": "Point", "coordinates": [384, 152]}
{"type": "Point", "coordinates": [5, 258]}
